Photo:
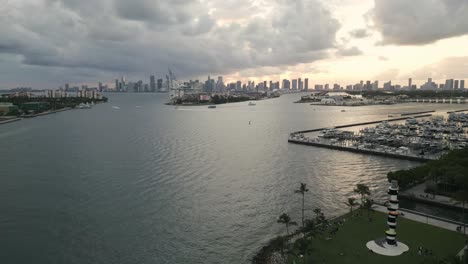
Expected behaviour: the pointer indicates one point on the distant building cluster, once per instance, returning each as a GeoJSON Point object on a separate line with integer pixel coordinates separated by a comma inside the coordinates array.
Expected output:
{"type": "Point", "coordinates": [302, 85]}
{"type": "Point", "coordinates": [154, 85]}
{"type": "Point", "coordinates": [85, 92]}
{"type": "Point", "coordinates": [430, 85]}
{"type": "Point", "coordinates": [217, 85]}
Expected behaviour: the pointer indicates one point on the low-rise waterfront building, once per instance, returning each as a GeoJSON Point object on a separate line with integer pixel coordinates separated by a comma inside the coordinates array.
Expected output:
{"type": "Point", "coordinates": [35, 106]}
{"type": "Point", "coordinates": [7, 108]}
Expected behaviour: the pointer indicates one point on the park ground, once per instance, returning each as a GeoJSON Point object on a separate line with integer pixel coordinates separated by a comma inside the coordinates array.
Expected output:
{"type": "Point", "coordinates": [348, 244]}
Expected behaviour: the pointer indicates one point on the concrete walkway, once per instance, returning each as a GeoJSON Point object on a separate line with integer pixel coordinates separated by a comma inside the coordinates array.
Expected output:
{"type": "Point", "coordinates": [427, 219]}
{"type": "Point", "coordinates": [418, 193]}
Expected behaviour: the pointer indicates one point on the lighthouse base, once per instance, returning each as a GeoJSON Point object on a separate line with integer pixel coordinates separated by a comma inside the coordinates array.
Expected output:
{"type": "Point", "coordinates": [380, 246]}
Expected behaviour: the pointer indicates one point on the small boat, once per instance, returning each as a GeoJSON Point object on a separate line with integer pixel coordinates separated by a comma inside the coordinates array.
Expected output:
{"type": "Point", "coordinates": [83, 106]}
{"type": "Point", "coordinates": [251, 104]}
{"type": "Point", "coordinates": [343, 110]}
{"type": "Point", "coordinates": [212, 106]}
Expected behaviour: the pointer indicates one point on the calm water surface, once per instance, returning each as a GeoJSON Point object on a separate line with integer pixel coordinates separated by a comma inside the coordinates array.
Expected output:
{"type": "Point", "coordinates": [150, 183]}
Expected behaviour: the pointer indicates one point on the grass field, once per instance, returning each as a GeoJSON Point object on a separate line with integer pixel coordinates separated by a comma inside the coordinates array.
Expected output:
{"type": "Point", "coordinates": [348, 245]}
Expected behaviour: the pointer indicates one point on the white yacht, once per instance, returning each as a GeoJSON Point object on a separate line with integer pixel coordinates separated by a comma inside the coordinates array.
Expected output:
{"type": "Point", "coordinates": [83, 106]}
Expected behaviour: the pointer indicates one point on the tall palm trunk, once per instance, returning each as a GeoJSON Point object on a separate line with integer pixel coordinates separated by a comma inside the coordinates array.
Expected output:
{"type": "Point", "coordinates": [287, 228]}
{"type": "Point", "coordinates": [302, 209]}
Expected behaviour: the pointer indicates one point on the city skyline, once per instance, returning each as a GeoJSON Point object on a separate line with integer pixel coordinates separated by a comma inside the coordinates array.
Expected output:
{"type": "Point", "coordinates": [324, 41]}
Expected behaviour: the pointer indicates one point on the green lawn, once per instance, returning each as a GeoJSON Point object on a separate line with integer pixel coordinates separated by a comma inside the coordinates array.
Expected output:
{"type": "Point", "coordinates": [353, 235]}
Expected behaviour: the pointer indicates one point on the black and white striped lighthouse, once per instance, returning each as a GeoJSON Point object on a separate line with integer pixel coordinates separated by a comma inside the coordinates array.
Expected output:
{"type": "Point", "coordinates": [388, 246]}
{"type": "Point", "coordinates": [392, 213]}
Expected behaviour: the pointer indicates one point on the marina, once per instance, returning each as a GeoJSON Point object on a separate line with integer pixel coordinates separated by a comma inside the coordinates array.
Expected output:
{"type": "Point", "coordinates": [416, 139]}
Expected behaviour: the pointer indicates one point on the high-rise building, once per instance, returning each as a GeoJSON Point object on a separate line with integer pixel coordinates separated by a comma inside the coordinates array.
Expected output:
{"type": "Point", "coordinates": [294, 84]}
{"type": "Point", "coordinates": [300, 84]}
{"type": "Point", "coordinates": [152, 83]}
{"type": "Point", "coordinates": [159, 86]}
{"type": "Point", "coordinates": [410, 83]}
{"type": "Point", "coordinates": [306, 84]}
{"type": "Point", "coordinates": [462, 84]}
{"type": "Point", "coordinates": [238, 85]}
{"type": "Point", "coordinates": [448, 84]}
{"type": "Point", "coordinates": [117, 86]}
{"type": "Point", "coordinates": [455, 86]}
{"type": "Point", "coordinates": [375, 85]}
{"type": "Point", "coordinates": [429, 85]}
{"type": "Point", "coordinates": [220, 84]}
{"type": "Point", "coordinates": [286, 84]}
{"type": "Point", "coordinates": [387, 86]}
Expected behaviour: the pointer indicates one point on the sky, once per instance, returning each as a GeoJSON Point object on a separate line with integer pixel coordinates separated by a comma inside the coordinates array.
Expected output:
{"type": "Point", "coordinates": [47, 43]}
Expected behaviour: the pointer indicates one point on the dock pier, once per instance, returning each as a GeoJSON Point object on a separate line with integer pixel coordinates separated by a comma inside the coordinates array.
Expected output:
{"type": "Point", "coordinates": [301, 140]}
{"type": "Point", "coordinates": [362, 151]}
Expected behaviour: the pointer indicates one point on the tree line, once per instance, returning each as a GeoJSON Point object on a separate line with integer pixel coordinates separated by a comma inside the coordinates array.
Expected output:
{"type": "Point", "coordinates": [307, 228]}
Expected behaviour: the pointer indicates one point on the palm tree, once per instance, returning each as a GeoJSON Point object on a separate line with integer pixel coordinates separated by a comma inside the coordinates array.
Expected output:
{"type": "Point", "coordinates": [302, 190]}
{"type": "Point", "coordinates": [351, 203]}
{"type": "Point", "coordinates": [309, 229]}
{"type": "Point", "coordinates": [279, 243]}
{"type": "Point", "coordinates": [317, 212]}
{"type": "Point", "coordinates": [285, 219]}
{"type": "Point", "coordinates": [368, 206]}
{"type": "Point", "coordinates": [362, 190]}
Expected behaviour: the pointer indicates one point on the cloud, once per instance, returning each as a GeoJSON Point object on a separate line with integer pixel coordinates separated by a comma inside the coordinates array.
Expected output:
{"type": "Point", "coordinates": [113, 37]}
{"type": "Point", "coordinates": [390, 74]}
{"type": "Point", "coordinates": [353, 51]}
{"type": "Point", "coordinates": [419, 22]}
{"type": "Point", "coordinates": [360, 33]}
{"type": "Point", "coordinates": [448, 68]}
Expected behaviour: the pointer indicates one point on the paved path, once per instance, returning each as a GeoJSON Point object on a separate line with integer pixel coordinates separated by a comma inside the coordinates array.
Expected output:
{"type": "Point", "coordinates": [423, 219]}
{"type": "Point", "coordinates": [427, 220]}
{"type": "Point", "coordinates": [418, 192]}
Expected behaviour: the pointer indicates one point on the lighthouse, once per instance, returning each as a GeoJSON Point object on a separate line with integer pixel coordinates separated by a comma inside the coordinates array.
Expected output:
{"type": "Point", "coordinates": [389, 246]}
{"type": "Point", "coordinates": [392, 213]}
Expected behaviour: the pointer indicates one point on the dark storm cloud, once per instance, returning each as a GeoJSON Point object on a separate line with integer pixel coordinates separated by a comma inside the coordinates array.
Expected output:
{"type": "Point", "coordinates": [192, 37]}
{"type": "Point", "coordinates": [417, 22]}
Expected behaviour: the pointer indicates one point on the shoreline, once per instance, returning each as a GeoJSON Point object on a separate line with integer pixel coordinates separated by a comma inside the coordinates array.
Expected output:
{"type": "Point", "coordinates": [48, 112]}
{"type": "Point", "coordinates": [208, 104]}
{"type": "Point", "coordinates": [11, 120]}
